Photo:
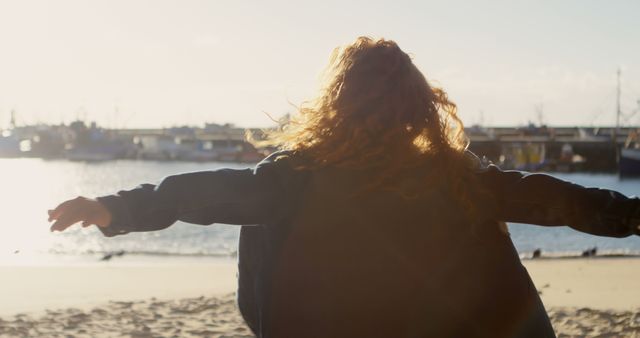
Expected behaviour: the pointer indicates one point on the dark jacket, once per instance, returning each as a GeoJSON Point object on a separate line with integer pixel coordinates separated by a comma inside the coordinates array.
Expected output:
{"type": "Point", "coordinates": [316, 259]}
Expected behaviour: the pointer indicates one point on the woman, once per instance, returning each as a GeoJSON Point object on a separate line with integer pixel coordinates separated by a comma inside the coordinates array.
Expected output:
{"type": "Point", "coordinates": [373, 220]}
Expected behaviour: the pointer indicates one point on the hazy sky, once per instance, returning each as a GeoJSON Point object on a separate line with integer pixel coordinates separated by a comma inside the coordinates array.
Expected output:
{"type": "Point", "coordinates": [158, 63]}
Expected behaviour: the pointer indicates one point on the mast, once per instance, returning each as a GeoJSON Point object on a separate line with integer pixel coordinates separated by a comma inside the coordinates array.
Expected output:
{"type": "Point", "coordinates": [12, 123]}
{"type": "Point", "coordinates": [618, 111]}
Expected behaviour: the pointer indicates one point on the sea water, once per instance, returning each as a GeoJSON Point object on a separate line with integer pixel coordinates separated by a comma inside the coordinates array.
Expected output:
{"type": "Point", "coordinates": [29, 187]}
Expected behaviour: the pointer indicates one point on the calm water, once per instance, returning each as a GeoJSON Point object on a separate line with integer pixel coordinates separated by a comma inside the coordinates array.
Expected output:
{"type": "Point", "coordinates": [32, 186]}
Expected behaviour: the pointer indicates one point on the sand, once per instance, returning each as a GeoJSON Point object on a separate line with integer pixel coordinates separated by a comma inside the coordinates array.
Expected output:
{"type": "Point", "coordinates": [31, 289]}
{"type": "Point", "coordinates": [601, 283]}
{"type": "Point", "coordinates": [187, 317]}
{"type": "Point", "coordinates": [590, 297]}
{"type": "Point", "coordinates": [595, 297]}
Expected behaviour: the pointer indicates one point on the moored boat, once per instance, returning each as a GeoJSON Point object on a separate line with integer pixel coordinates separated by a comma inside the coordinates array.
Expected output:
{"type": "Point", "coordinates": [629, 164]}
{"type": "Point", "coordinates": [9, 145]}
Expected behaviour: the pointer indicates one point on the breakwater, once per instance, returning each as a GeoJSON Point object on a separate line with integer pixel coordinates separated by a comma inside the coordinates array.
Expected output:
{"type": "Point", "coordinates": [531, 148]}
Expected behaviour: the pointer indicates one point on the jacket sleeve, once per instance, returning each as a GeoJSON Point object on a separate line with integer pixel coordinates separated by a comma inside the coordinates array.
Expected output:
{"type": "Point", "coordinates": [545, 200]}
{"type": "Point", "coordinates": [242, 197]}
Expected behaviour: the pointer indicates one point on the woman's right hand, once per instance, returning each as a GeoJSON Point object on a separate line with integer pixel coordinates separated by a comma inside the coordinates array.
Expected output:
{"type": "Point", "coordinates": [80, 209]}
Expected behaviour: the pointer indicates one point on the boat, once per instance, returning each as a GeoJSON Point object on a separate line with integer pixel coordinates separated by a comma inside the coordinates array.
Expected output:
{"type": "Point", "coordinates": [9, 145]}
{"type": "Point", "coordinates": [529, 156]}
{"type": "Point", "coordinates": [629, 163]}
{"type": "Point", "coordinates": [629, 155]}
{"type": "Point", "coordinates": [93, 144]}
{"type": "Point", "coordinates": [96, 152]}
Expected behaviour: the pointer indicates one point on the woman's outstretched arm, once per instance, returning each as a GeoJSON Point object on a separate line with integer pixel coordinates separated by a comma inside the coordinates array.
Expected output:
{"type": "Point", "coordinates": [243, 197]}
{"type": "Point", "coordinates": [545, 200]}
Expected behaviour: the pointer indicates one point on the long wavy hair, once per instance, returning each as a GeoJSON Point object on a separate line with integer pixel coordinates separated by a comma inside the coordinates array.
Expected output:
{"type": "Point", "coordinates": [377, 110]}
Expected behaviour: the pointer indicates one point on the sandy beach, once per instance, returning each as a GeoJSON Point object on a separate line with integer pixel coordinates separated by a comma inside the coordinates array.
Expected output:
{"type": "Point", "coordinates": [590, 297]}
{"type": "Point", "coordinates": [594, 297]}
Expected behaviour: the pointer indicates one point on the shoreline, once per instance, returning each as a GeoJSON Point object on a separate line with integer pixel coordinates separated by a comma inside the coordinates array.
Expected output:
{"type": "Point", "coordinates": [525, 257]}
{"type": "Point", "coordinates": [34, 289]}
{"type": "Point", "coordinates": [196, 297]}
{"type": "Point", "coordinates": [150, 257]}
{"type": "Point", "coordinates": [602, 282]}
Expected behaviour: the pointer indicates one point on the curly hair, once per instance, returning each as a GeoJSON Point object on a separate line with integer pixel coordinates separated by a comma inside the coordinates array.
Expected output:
{"type": "Point", "coordinates": [376, 110]}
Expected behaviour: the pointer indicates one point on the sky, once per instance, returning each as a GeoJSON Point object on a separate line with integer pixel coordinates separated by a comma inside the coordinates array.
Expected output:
{"type": "Point", "coordinates": [159, 63]}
